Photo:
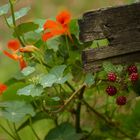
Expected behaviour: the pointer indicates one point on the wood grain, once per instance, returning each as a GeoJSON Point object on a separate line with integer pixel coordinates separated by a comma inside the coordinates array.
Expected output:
{"type": "Point", "coordinates": [121, 26]}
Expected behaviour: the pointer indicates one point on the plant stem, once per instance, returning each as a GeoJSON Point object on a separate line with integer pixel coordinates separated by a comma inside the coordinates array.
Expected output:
{"type": "Point", "coordinates": [95, 112]}
{"type": "Point", "coordinates": [16, 132]}
{"type": "Point", "coordinates": [14, 23]}
{"type": "Point", "coordinates": [70, 86]}
{"type": "Point", "coordinates": [69, 99]}
{"type": "Point", "coordinates": [11, 128]}
{"type": "Point", "coordinates": [7, 132]}
{"type": "Point", "coordinates": [78, 110]}
{"type": "Point", "coordinates": [31, 126]}
{"type": "Point", "coordinates": [109, 122]}
{"type": "Point", "coordinates": [67, 44]}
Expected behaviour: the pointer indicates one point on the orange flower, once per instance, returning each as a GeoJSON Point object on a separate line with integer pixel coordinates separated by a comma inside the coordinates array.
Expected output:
{"type": "Point", "coordinates": [58, 27]}
{"type": "Point", "coordinates": [14, 46]}
{"type": "Point", "coordinates": [2, 88]}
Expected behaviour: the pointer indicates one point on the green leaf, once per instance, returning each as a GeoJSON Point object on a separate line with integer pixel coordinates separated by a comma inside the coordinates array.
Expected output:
{"type": "Point", "coordinates": [53, 43]}
{"type": "Point", "coordinates": [10, 81]}
{"type": "Point", "coordinates": [64, 131]}
{"type": "Point", "coordinates": [99, 43]}
{"type": "Point", "coordinates": [15, 111]}
{"type": "Point", "coordinates": [74, 28]}
{"type": "Point", "coordinates": [119, 69]}
{"type": "Point", "coordinates": [47, 80]}
{"type": "Point", "coordinates": [109, 67]}
{"type": "Point", "coordinates": [89, 79]}
{"type": "Point", "coordinates": [19, 76]}
{"type": "Point", "coordinates": [22, 12]}
{"type": "Point", "coordinates": [10, 93]}
{"type": "Point", "coordinates": [25, 28]}
{"type": "Point", "coordinates": [40, 22]}
{"type": "Point", "coordinates": [39, 116]}
{"type": "Point", "coordinates": [101, 74]}
{"type": "Point", "coordinates": [48, 56]}
{"type": "Point", "coordinates": [31, 90]}
{"type": "Point", "coordinates": [55, 76]}
{"type": "Point", "coordinates": [58, 70]}
{"type": "Point", "coordinates": [56, 98]}
{"type": "Point", "coordinates": [62, 80]}
{"type": "Point", "coordinates": [4, 9]}
{"type": "Point", "coordinates": [77, 71]}
{"type": "Point", "coordinates": [28, 70]}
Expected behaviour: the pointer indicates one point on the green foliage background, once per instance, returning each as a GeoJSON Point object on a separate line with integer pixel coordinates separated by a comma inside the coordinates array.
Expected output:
{"type": "Point", "coordinates": [43, 9]}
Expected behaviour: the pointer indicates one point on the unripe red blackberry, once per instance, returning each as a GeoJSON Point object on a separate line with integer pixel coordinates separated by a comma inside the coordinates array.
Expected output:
{"type": "Point", "coordinates": [121, 100]}
{"type": "Point", "coordinates": [132, 69]}
{"type": "Point", "coordinates": [111, 90]}
{"type": "Point", "coordinates": [134, 77]}
{"type": "Point", "coordinates": [112, 76]}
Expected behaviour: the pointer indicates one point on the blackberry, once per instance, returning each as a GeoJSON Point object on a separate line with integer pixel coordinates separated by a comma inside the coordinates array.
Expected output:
{"type": "Point", "coordinates": [112, 76]}
{"type": "Point", "coordinates": [134, 77]}
{"type": "Point", "coordinates": [121, 100]}
{"type": "Point", "coordinates": [111, 90]}
{"type": "Point", "coordinates": [132, 69]}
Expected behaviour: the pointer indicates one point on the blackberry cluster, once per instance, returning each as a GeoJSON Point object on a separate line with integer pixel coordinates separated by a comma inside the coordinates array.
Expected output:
{"type": "Point", "coordinates": [112, 90]}
{"type": "Point", "coordinates": [133, 73]}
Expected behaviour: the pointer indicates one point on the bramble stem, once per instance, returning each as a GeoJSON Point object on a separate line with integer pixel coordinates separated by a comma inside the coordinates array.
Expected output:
{"type": "Point", "coordinates": [69, 99]}
{"type": "Point", "coordinates": [14, 22]}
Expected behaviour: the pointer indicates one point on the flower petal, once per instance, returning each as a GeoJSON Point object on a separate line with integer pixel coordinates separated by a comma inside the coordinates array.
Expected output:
{"type": "Point", "coordinates": [12, 56]}
{"type": "Point", "coordinates": [47, 36]}
{"type": "Point", "coordinates": [14, 45]}
{"type": "Point", "coordinates": [50, 24]}
{"type": "Point", "coordinates": [64, 17]}
{"type": "Point", "coordinates": [22, 63]}
{"type": "Point", "coordinates": [3, 87]}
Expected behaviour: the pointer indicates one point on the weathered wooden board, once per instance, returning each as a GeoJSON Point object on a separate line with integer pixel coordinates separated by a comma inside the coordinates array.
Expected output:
{"type": "Point", "coordinates": [121, 26]}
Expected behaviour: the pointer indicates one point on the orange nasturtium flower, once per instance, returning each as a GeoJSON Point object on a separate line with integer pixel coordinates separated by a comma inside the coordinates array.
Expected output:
{"type": "Point", "coordinates": [58, 27]}
{"type": "Point", "coordinates": [2, 88]}
{"type": "Point", "coordinates": [14, 46]}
